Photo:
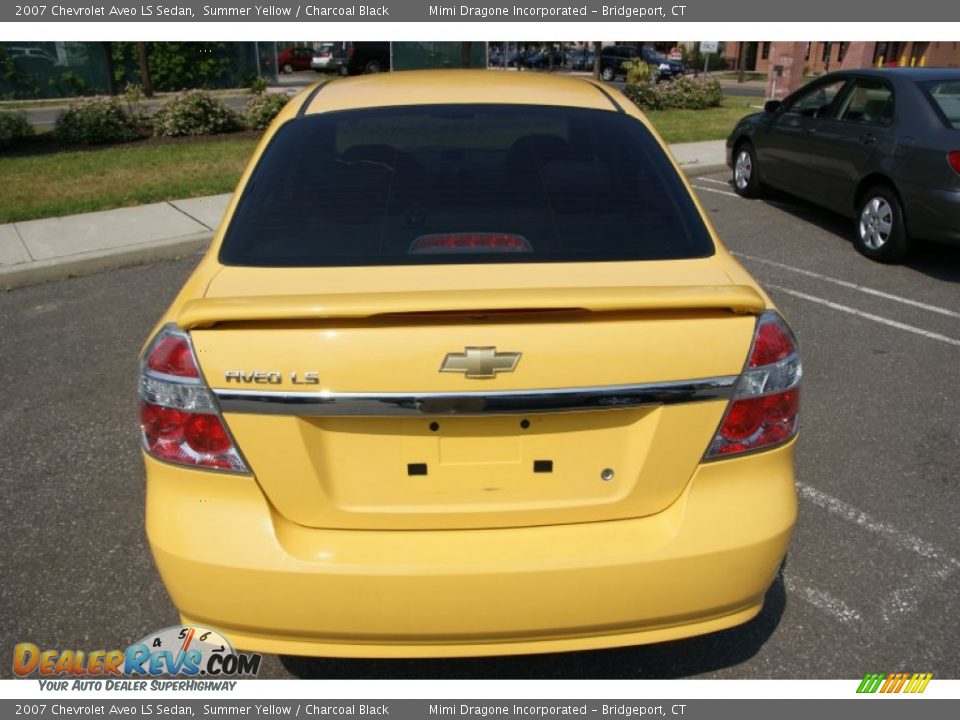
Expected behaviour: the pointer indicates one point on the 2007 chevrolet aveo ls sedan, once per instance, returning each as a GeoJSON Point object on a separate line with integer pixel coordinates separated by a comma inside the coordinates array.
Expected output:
{"type": "Point", "coordinates": [466, 371]}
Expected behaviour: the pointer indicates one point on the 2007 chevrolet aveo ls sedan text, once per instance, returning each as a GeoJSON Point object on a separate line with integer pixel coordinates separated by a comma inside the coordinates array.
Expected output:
{"type": "Point", "coordinates": [466, 371]}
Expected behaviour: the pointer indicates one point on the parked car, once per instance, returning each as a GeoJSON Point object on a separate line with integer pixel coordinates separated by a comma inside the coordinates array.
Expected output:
{"type": "Point", "coordinates": [467, 372]}
{"type": "Point", "coordinates": [613, 57]}
{"type": "Point", "coordinates": [294, 58]}
{"type": "Point", "coordinates": [881, 146]}
{"type": "Point", "coordinates": [665, 67]}
{"type": "Point", "coordinates": [364, 58]}
{"type": "Point", "coordinates": [540, 60]}
{"type": "Point", "coordinates": [39, 55]}
{"type": "Point", "coordinates": [328, 58]}
{"type": "Point", "coordinates": [580, 59]}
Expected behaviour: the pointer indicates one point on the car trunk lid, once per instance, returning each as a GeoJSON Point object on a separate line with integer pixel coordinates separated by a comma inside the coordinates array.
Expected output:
{"type": "Point", "coordinates": [338, 402]}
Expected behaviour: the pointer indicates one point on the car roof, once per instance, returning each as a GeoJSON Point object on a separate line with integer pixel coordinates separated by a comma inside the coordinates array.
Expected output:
{"type": "Point", "coordinates": [455, 87]}
{"type": "Point", "coordinates": [916, 74]}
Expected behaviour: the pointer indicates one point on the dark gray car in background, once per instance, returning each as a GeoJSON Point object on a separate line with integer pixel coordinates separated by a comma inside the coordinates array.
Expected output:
{"type": "Point", "coordinates": [881, 146]}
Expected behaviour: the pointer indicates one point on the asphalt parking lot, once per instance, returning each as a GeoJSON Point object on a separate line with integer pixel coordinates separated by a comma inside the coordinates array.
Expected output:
{"type": "Point", "coordinates": [871, 583]}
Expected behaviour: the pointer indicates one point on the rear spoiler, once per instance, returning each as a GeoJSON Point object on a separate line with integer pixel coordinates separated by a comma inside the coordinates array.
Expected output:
{"type": "Point", "coordinates": [210, 311]}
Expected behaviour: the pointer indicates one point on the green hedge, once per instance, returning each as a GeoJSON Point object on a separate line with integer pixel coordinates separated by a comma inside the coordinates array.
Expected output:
{"type": "Point", "coordinates": [682, 93]}
{"type": "Point", "coordinates": [195, 113]}
{"type": "Point", "coordinates": [14, 126]}
{"type": "Point", "coordinates": [94, 122]}
{"type": "Point", "coordinates": [260, 110]}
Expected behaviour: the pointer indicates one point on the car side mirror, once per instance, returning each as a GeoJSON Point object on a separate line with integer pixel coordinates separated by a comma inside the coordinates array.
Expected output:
{"type": "Point", "coordinates": [772, 106]}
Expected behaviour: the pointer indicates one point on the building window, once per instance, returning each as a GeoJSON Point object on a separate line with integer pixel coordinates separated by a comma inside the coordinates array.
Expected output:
{"type": "Point", "coordinates": [765, 51]}
{"type": "Point", "coordinates": [842, 51]}
{"type": "Point", "coordinates": [827, 46]}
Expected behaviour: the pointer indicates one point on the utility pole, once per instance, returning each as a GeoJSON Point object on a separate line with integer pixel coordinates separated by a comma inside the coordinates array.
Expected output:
{"type": "Point", "coordinates": [596, 60]}
{"type": "Point", "coordinates": [741, 59]}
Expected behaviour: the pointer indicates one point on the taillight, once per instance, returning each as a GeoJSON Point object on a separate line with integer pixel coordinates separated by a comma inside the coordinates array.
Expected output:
{"type": "Point", "coordinates": [180, 421]}
{"type": "Point", "coordinates": [766, 402]}
{"type": "Point", "coordinates": [954, 159]}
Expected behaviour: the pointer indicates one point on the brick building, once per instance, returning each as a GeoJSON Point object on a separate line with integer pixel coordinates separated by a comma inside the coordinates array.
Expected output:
{"type": "Point", "coordinates": [823, 56]}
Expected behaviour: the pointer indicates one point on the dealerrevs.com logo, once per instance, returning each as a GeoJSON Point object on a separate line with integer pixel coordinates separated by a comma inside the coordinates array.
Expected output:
{"type": "Point", "coordinates": [179, 651]}
{"type": "Point", "coordinates": [905, 682]}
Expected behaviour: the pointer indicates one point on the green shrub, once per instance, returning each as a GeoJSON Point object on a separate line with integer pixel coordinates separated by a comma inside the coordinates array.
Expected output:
{"type": "Point", "coordinates": [682, 93]}
{"type": "Point", "coordinates": [638, 72]}
{"type": "Point", "coordinates": [260, 110]}
{"type": "Point", "coordinates": [194, 113]}
{"type": "Point", "coordinates": [14, 126]}
{"type": "Point", "coordinates": [93, 122]}
{"type": "Point", "coordinates": [258, 85]}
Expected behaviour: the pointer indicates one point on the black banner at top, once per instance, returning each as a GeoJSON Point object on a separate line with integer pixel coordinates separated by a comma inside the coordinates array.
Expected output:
{"type": "Point", "coordinates": [482, 11]}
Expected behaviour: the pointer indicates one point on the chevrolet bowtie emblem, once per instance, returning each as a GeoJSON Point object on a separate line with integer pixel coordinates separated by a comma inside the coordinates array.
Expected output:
{"type": "Point", "coordinates": [480, 362]}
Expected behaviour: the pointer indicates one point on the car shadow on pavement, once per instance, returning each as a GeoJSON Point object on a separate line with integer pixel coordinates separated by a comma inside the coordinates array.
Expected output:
{"type": "Point", "coordinates": [938, 261]}
{"type": "Point", "coordinates": [680, 658]}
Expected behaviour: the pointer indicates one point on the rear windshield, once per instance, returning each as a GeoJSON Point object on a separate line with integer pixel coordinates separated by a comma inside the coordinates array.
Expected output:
{"type": "Point", "coordinates": [946, 95]}
{"type": "Point", "coordinates": [463, 184]}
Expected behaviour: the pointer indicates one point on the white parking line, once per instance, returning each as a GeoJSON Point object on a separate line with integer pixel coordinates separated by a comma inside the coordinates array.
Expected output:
{"type": "Point", "coordinates": [852, 286]}
{"type": "Point", "coordinates": [866, 315]}
{"type": "Point", "coordinates": [835, 607]}
{"type": "Point", "coordinates": [714, 190]}
{"type": "Point", "coordinates": [858, 517]}
{"type": "Point", "coordinates": [904, 600]}
{"type": "Point", "coordinates": [713, 180]}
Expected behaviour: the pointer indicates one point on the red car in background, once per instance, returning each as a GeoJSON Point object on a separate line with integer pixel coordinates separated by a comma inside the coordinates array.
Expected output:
{"type": "Point", "coordinates": [294, 58]}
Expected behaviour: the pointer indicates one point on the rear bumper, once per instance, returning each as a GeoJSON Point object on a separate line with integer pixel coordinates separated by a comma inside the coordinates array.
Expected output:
{"type": "Point", "coordinates": [933, 213]}
{"type": "Point", "coordinates": [704, 564]}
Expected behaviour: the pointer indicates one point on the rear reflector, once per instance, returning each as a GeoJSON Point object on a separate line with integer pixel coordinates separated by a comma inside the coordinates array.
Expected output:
{"type": "Point", "coordinates": [766, 403]}
{"type": "Point", "coordinates": [954, 159]}
{"type": "Point", "coordinates": [469, 242]}
{"type": "Point", "coordinates": [180, 421]}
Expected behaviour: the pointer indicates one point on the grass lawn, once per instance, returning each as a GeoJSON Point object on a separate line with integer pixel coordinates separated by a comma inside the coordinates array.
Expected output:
{"type": "Point", "coordinates": [76, 181]}
{"type": "Point", "coordinates": [681, 126]}
{"type": "Point", "coordinates": [49, 184]}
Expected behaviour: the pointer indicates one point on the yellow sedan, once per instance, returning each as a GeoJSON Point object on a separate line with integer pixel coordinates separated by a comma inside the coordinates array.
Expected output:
{"type": "Point", "coordinates": [466, 371]}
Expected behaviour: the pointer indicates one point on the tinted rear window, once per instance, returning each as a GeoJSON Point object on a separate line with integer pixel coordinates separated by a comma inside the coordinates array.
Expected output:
{"type": "Point", "coordinates": [463, 184]}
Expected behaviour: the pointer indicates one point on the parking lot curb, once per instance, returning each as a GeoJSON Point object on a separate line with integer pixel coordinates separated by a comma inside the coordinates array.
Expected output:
{"type": "Point", "coordinates": [694, 170]}
{"type": "Point", "coordinates": [42, 271]}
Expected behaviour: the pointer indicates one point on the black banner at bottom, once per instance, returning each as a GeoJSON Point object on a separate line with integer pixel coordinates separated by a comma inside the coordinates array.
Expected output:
{"type": "Point", "coordinates": [870, 707]}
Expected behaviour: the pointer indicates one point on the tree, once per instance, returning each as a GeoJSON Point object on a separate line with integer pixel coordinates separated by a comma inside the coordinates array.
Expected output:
{"type": "Point", "coordinates": [145, 81]}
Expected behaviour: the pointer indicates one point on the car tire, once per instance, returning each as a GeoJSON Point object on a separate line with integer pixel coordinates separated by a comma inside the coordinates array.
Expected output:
{"type": "Point", "coordinates": [746, 171]}
{"type": "Point", "coordinates": [372, 68]}
{"type": "Point", "coordinates": [607, 73]}
{"type": "Point", "coordinates": [880, 230]}
{"type": "Point", "coordinates": [287, 68]}
{"type": "Point", "coordinates": [344, 71]}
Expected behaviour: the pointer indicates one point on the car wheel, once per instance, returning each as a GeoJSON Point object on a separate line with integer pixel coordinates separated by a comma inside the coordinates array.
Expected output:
{"type": "Point", "coordinates": [344, 71]}
{"type": "Point", "coordinates": [287, 68]}
{"type": "Point", "coordinates": [372, 68]}
{"type": "Point", "coordinates": [881, 232]}
{"type": "Point", "coordinates": [607, 73]}
{"type": "Point", "coordinates": [746, 172]}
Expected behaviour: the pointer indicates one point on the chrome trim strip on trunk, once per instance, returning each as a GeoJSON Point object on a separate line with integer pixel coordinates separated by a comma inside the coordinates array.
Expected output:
{"type": "Point", "coordinates": [509, 402]}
